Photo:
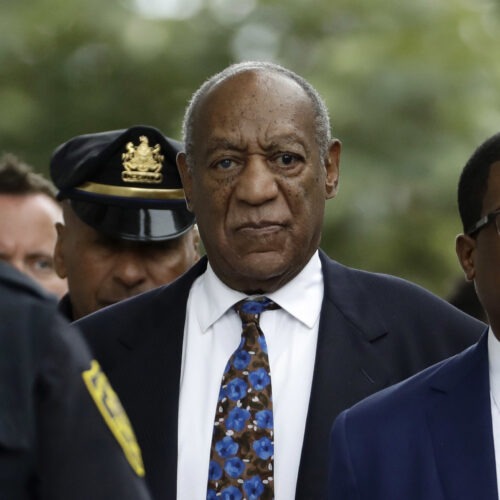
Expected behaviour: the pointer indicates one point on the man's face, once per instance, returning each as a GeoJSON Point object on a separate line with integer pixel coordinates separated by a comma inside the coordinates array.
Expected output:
{"type": "Point", "coordinates": [28, 237]}
{"type": "Point", "coordinates": [103, 270]}
{"type": "Point", "coordinates": [257, 184]}
{"type": "Point", "coordinates": [480, 256]}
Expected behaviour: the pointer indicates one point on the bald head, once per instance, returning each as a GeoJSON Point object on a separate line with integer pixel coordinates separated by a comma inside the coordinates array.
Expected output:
{"type": "Point", "coordinates": [321, 117]}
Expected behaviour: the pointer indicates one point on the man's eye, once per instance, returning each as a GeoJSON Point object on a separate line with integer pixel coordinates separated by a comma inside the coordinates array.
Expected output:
{"type": "Point", "coordinates": [43, 265]}
{"type": "Point", "coordinates": [286, 159]}
{"type": "Point", "coordinates": [225, 163]}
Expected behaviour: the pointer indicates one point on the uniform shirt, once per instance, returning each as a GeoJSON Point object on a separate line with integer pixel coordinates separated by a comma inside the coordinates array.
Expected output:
{"type": "Point", "coordinates": [54, 441]}
{"type": "Point", "coordinates": [494, 369]}
{"type": "Point", "coordinates": [212, 333]}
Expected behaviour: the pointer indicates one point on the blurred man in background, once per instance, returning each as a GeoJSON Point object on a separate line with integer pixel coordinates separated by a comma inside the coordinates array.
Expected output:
{"type": "Point", "coordinates": [28, 214]}
{"type": "Point", "coordinates": [126, 226]}
{"type": "Point", "coordinates": [63, 431]}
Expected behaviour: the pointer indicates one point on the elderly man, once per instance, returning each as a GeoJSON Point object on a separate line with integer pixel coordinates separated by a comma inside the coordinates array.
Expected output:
{"type": "Point", "coordinates": [126, 227]}
{"type": "Point", "coordinates": [436, 436]}
{"type": "Point", "coordinates": [29, 212]}
{"type": "Point", "coordinates": [225, 405]}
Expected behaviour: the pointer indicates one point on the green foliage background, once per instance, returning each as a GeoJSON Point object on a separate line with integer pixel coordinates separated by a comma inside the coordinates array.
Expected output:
{"type": "Point", "coordinates": [412, 86]}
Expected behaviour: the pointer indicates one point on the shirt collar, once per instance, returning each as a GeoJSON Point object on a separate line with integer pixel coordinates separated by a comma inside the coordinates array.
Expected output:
{"type": "Point", "coordinates": [494, 364]}
{"type": "Point", "coordinates": [301, 297]}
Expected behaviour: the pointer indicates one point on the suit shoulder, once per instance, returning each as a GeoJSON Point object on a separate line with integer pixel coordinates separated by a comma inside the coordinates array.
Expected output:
{"type": "Point", "coordinates": [408, 395]}
{"type": "Point", "coordinates": [149, 319]}
{"type": "Point", "coordinates": [334, 271]}
{"type": "Point", "coordinates": [388, 282]}
{"type": "Point", "coordinates": [403, 297]}
{"type": "Point", "coordinates": [124, 315]}
{"type": "Point", "coordinates": [161, 301]}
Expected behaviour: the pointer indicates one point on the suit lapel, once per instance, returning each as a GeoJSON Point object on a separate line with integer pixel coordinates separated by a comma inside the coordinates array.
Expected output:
{"type": "Point", "coordinates": [149, 377]}
{"type": "Point", "coordinates": [459, 418]}
{"type": "Point", "coordinates": [346, 369]}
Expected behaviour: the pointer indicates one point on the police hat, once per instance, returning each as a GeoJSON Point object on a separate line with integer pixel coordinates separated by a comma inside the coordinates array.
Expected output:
{"type": "Point", "coordinates": [124, 183]}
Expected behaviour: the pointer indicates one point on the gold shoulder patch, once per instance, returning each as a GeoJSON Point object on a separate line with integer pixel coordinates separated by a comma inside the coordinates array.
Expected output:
{"type": "Point", "coordinates": [114, 415]}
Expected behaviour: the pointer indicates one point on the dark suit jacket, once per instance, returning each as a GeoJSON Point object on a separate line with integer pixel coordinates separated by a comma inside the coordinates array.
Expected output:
{"type": "Point", "coordinates": [429, 438]}
{"type": "Point", "coordinates": [374, 331]}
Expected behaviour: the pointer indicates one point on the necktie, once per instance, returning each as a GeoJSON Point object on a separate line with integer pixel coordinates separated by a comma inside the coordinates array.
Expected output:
{"type": "Point", "coordinates": [242, 452]}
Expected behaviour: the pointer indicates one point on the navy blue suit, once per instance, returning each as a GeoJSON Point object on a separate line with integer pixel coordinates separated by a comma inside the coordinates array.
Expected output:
{"type": "Point", "coordinates": [374, 331]}
{"type": "Point", "coordinates": [428, 438]}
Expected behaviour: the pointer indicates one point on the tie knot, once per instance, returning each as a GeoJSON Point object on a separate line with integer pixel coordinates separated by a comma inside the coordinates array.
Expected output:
{"type": "Point", "coordinates": [249, 310]}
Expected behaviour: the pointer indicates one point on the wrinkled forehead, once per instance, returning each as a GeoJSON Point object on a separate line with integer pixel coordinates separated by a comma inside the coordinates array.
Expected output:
{"type": "Point", "coordinates": [261, 101]}
{"type": "Point", "coordinates": [252, 90]}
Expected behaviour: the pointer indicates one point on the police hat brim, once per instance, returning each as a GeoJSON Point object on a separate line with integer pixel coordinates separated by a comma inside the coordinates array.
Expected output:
{"type": "Point", "coordinates": [135, 223]}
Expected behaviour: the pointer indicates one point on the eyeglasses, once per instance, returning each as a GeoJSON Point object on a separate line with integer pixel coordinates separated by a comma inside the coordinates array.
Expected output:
{"type": "Point", "coordinates": [484, 221]}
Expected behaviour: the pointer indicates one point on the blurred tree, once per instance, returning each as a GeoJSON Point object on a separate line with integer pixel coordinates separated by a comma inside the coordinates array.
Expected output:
{"type": "Point", "coordinates": [412, 88]}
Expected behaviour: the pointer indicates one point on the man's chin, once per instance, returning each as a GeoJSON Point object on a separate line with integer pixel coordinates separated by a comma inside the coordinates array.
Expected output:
{"type": "Point", "coordinates": [259, 272]}
{"type": "Point", "coordinates": [263, 263]}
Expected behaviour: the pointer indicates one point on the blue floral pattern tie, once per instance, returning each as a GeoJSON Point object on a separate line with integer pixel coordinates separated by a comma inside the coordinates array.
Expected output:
{"type": "Point", "coordinates": [242, 452]}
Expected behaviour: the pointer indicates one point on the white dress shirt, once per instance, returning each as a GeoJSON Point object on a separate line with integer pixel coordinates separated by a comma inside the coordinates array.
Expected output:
{"type": "Point", "coordinates": [494, 368]}
{"type": "Point", "coordinates": [211, 334]}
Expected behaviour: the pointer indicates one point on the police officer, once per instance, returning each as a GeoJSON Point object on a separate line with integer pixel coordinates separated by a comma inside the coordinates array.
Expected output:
{"type": "Point", "coordinates": [126, 225]}
{"type": "Point", "coordinates": [63, 432]}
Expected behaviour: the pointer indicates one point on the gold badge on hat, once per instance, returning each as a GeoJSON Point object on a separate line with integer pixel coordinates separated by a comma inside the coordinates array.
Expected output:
{"type": "Point", "coordinates": [142, 163]}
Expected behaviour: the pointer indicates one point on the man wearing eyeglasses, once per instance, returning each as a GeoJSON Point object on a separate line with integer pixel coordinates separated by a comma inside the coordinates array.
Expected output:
{"type": "Point", "coordinates": [437, 435]}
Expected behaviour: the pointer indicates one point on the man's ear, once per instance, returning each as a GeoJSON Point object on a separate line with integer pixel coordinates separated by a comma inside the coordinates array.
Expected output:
{"type": "Point", "coordinates": [59, 264]}
{"type": "Point", "coordinates": [186, 178]}
{"type": "Point", "coordinates": [196, 242]}
{"type": "Point", "coordinates": [332, 165]}
{"type": "Point", "coordinates": [465, 247]}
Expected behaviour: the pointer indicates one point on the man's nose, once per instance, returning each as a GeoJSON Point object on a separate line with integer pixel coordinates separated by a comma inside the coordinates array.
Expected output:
{"type": "Point", "coordinates": [256, 182]}
{"type": "Point", "coordinates": [129, 269]}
